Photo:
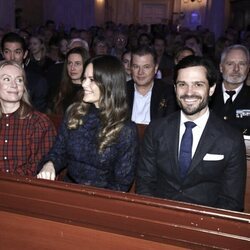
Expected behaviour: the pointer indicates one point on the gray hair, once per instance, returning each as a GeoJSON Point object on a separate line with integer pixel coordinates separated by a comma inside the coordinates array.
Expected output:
{"type": "Point", "coordinates": [233, 47]}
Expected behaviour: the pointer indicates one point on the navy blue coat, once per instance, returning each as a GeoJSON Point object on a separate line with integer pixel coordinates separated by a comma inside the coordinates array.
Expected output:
{"type": "Point", "coordinates": [217, 175]}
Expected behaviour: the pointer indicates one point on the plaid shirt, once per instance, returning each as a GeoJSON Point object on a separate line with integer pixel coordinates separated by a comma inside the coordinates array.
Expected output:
{"type": "Point", "coordinates": [23, 142]}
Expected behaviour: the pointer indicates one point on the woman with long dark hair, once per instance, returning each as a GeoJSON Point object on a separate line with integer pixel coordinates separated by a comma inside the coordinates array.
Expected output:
{"type": "Point", "coordinates": [70, 86]}
{"type": "Point", "coordinates": [97, 142]}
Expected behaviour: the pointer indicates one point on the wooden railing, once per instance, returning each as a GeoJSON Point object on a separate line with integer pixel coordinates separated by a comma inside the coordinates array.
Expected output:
{"type": "Point", "coordinates": [247, 195]}
{"type": "Point", "coordinates": [39, 214]}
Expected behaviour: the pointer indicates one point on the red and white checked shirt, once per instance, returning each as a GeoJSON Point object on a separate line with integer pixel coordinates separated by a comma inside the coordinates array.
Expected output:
{"type": "Point", "coordinates": [23, 142]}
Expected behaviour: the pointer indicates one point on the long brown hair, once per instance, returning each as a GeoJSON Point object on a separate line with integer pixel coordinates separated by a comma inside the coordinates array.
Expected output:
{"type": "Point", "coordinates": [109, 75]}
{"type": "Point", "coordinates": [66, 88]}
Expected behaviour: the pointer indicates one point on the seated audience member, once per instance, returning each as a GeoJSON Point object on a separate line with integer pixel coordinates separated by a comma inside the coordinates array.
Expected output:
{"type": "Point", "coordinates": [165, 61]}
{"type": "Point", "coordinates": [70, 87]}
{"type": "Point", "coordinates": [120, 43]}
{"type": "Point", "coordinates": [63, 46]}
{"type": "Point", "coordinates": [58, 50]}
{"type": "Point", "coordinates": [193, 42]}
{"type": "Point", "coordinates": [148, 98]}
{"type": "Point", "coordinates": [132, 41]}
{"type": "Point", "coordinates": [100, 46]}
{"type": "Point", "coordinates": [74, 33]}
{"type": "Point", "coordinates": [144, 39]}
{"type": "Point", "coordinates": [77, 42]}
{"type": "Point", "coordinates": [181, 53]}
{"type": "Point", "coordinates": [14, 48]}
{"type": "Point", "coordinates": [25, 34]}
{"type": "Point", "coordinates": [208, 40]}
{"type": "Point", "coordinates": [126, 60]}
{"type": "Point", "coordinates": [109, 36]}
{"type": "Point", "coordinates": [38, 60]}
{"type": "Point", "coordinates": [97, 142]}
{"type": "Point", "coordinates": [27, 135]}
{"type": "Point", "coordinates": [86, 36]}
{"type": "Point", "coordinates": [231, 100]}
{"type": "Point", "coordinates": [192, 155]}
{"type": "Point", "coordinates": [54, 53]}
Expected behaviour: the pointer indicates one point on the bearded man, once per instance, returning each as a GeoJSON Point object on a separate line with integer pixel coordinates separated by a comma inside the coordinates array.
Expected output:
{"type": "Point", "coordinates": [192, 155]}
{"type": "Point", "coordinates": [231, 100]}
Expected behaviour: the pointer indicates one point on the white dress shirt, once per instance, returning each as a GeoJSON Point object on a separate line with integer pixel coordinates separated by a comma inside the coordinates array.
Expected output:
{"type": "Point", "coordinates": [197, 130]}
{"type": "Point", "coordinates": [141, 107]}
{"type": "Point", "coordinates": [226, 96]}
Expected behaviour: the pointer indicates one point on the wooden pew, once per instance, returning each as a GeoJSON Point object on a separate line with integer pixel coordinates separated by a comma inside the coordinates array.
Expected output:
{"type": "Point", "coordinates": [39, 214]}
{"type": "Point", "coordinates": [247, 195]}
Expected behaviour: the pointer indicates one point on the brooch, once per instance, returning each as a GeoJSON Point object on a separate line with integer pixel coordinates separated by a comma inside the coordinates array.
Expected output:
{"type": "Point", "coordinates": [163, 103]}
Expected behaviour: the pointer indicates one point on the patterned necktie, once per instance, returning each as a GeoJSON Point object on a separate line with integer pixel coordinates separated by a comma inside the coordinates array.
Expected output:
{"type": "Point", "coordinates": [229, 102]}
{"type": "Point", "coordinates": [185, 156]}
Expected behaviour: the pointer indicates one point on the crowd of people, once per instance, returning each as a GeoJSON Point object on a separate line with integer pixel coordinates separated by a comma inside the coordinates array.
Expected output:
{"type": "Point", "coordinates": [190, 90]}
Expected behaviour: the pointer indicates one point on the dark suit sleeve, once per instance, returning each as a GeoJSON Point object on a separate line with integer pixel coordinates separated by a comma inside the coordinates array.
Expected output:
{"type": "Point", "coordinates": [232, 191]}
{"type": "Point", "coordinates": [38, 90]}
{"type": "Point", "coordinates": [172, 105]}
{"type": "Point", "coordinates": [146, 170]}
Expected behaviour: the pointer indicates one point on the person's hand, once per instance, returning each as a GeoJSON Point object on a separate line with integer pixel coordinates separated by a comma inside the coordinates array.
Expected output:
{"type": "Point", "coordinates": [47, 172]}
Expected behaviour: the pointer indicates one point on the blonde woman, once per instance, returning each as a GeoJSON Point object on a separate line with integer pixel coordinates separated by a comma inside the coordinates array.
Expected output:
{"type": "Point", "coordinates": [39, 61]}
{"type": "Point", "coordinates": [27, 135]}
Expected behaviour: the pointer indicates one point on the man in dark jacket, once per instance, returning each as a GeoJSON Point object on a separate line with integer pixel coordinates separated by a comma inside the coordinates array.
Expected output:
{"type": "Point", "coordinates": [148, 98]}
{"type": "Point", "coordinates": [193, 155]}
{"type": "Point", "coordinates": [231, 100]}
{"type": "Point", "coordinates": [14, 48]}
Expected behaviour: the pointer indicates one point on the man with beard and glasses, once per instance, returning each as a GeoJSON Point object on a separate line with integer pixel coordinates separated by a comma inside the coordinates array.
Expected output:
{"type": "Point", "coordinates": [192, 155]}
{"type": "Point", "coordinates": [231, 100]}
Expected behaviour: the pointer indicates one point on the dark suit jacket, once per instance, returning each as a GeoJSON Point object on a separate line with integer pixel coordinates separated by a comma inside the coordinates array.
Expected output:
{"type": "Point", "coordinates": [38, 90]}
{"type": "Point", "coordinates": [242, 101]}
{"type": "Point", "coordinates": [217, 175]}
{"type": "Point", "coordinates": [163, 101]}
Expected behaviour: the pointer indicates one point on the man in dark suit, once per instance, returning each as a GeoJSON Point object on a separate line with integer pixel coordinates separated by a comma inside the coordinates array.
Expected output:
{"type": "Point", "coordinates": [148, 98]}
{"type": "Point", "coordinates": [204, 163]}
{"type": "Point", "coordinates": [234, 67]}
{"type": "Point", "coordinates": [14, 48]}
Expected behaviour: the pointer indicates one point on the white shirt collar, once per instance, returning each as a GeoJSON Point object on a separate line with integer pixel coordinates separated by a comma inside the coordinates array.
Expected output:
{"type": "Point", "coordinates": [226, 96]}
{"type": "Point", "coordinates": [149, 91]}
{"type": "Point", "coordinates": [200, 121]}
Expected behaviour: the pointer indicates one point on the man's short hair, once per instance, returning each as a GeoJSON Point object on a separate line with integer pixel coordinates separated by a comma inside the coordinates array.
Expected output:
{"type": "Point", "coordinates": [13, 37]}
{"type": "Point", "coordinates": [192, 36]}
{"type": "Point", "coordinates": [192, 61]}
{"type": "Point", "coordinates": [145, 50]}
{"type": "Point", "coordinates": [179, 50]}
{"type": "Point", "coordinates": [232, 47]}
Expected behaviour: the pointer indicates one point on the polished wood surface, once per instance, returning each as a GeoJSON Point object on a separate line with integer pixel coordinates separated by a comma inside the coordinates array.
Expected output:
{"type": "Point", "coordinates": [39, 214]}
{"type": "Point", "coordinates": [247, 194]}
{"type": "Point", "coordinates": [56, 235]}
